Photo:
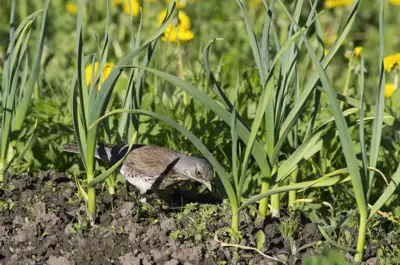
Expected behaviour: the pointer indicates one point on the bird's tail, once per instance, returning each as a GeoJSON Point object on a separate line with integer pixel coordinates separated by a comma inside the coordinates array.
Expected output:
{"type": "Point", "coordinates": [103, 151]}
{"type": "Point", "coordinates": [108, 152]}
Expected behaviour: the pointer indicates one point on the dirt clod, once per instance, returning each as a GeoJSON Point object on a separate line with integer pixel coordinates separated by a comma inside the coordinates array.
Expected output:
{"type": "Point", "coordinates": [59, 261]}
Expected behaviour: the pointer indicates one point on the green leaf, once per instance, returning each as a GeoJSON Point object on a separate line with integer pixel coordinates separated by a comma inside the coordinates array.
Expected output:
{"type": "Point", "coordinates": [260, 240]}
{"type": "Point", "coordinates": [321, 182]}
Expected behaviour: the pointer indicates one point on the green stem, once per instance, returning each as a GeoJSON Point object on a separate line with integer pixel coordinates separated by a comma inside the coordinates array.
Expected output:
{"type": "Point", "coordinates": [180, 70]}
{"type": "Point", "coordinates": [275, 205]}
{"type": "Point", "coordinates": [235, 220]}
{"type": "Point", "coordinates": [346, 85]}
{"type": "Point", "coordinates": [91, 145]}
{"type": "Point", "coordinates": [91, 202]}
{"type": "Point", "coordinates": [263, 206]}
{"type": "Point", "coordinates": [292, 198]}
{"type": "Point", "coordinates": [362, 232]}
{"type": "Point", "coordinates": [111, 184]}
{"type": "Point", "coordinates": [2, 173]}
{"type": "Point", "coordinates": [292, 193]}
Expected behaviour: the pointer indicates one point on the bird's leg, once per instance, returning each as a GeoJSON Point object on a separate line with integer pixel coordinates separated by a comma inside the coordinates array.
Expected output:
{"type": "Point", "coordinates": [128, 190]}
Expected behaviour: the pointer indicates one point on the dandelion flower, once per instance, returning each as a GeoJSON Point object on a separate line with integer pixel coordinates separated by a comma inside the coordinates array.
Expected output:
{"type": "Point", "coordinates": [105, 73]}
{"type": "Point", "coordinates": [337, 3]}
{"type": "Point", "coordinates": [395, 2]}
{"type": "Point", "coordinates": [184, 20]}
{"type": "Point", "coordinates": [172, 34]}
{"type": "Point", "coordinates": [71, 8]}
{"type": "Point", "coordinates": [181, 31]}
{"type": "Point", "coordinates": [390, 61]}
{"type": "Point", "coordinates": [131, 7]}
{"type": "Point", "coordinates": [357, 51]}
{"type": "Point", "coordinates": [389, 90]}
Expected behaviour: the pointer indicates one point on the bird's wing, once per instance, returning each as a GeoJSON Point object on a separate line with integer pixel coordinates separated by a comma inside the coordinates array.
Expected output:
{"type": "Point", "coordinates": [113, 153]}
{"type": "Point", "coordinates": [149, 161]}
{"type": "Point", "coordinates": [157, 183]}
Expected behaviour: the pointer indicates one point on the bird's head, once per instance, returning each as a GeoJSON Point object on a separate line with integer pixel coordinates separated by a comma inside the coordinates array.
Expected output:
{"type": "Point", "coordinates": [197, 169]}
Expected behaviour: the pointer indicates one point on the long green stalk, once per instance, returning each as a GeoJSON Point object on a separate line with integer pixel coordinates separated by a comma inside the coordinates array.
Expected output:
{"type": "Point", "coordinates": [362, 233]}
{"type": "Point", "coordinates": [17, 85]}
{"type": "Point", "coordinates": [235, 220]}
{"type": "Point", "coordinates": [263, 205]}
{"type": "Point", "coordinates": [345, 139]}
{"type": "Point", "coordinates": [90, 166]}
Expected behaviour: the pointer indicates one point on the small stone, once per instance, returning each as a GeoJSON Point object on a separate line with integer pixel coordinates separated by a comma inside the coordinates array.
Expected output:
{"type": "Point", "coordinates": [157, 254]}
{"type": "Point", "coordinates": [18, 220]}
{"type": "Point", "coordinates": [67, 193]}
{"type": "Point", "coordinates": [133, 237]}
{"type": "Point", "coordinates": [27, 261]}
{"type": "Point", "coordinates": [168, 225]}
{"type": "Point", "coordinates": [172, 262]}
{"type": "Point", "coordinates": [14, 260]}
{"type": "Point", "coordinates": [372, 261]}
{"type": "Point", "coordinates": [129, 259]}
{"type": "Point", "coordinates": [127, 209]}
{"type": "Point", "coordinates": [20, 237]}
{"type": "Point", "coordinates": [59, 261]}
{"type": "Point", "coordinates": [145, 258]}
{"type": "Point", "coordinates": [69, 230]}
{"type": "Point", "coordinates": [39, 210]}
{"type": "Point", "coordinates": [188, 253]}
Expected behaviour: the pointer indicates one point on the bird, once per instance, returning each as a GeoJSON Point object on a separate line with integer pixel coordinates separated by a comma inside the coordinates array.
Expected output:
{"type": "Point", "coordinates": [150, 168]}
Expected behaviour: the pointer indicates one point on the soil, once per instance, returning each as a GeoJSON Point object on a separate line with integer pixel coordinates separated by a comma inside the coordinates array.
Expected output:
{"type": "Point", "coordinates": [43, 221]}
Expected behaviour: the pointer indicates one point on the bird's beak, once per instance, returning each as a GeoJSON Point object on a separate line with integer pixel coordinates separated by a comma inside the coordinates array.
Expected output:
{"type": "Point", "coordinates": [208, 185]}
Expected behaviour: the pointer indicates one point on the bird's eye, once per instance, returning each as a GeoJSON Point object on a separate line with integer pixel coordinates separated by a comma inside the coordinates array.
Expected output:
{"type": "Point", "coordinates": [198, 173]}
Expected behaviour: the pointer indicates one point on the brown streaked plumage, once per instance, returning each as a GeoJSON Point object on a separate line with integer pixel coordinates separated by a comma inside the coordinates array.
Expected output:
{"type": "Point", "coordinates": [152, 167]}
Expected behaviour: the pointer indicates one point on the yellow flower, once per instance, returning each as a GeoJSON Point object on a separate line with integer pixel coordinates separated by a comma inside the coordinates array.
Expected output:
{"type": "Point", "coordinates": [337, 3]}
{"type": "Point", "coordinates": [389, 90]}
{"type": "Point", "coordinates": [117, 2]}
{"type": "Point", "coordinates": [390, 61]}
{"type": "Point", "coordinates": [131, 7]}
{"type": "Point", "coordinates": [172, 34]}
{"type": "Point", "coordinates": [180, 3]}
{"type": "Point", "coordinates": [180, 31]}
{"type": "Point", "coordinates": [106, 72]}
{"type": "Point", "coordinates": [184, 20]}
{"type": "Point", "coordinates": [357, 51]}
{"type": "Point", "coordinates": [395, 2]}
{"type": "Point", "coordinates": [71, 8]}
